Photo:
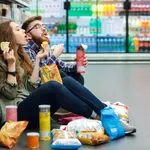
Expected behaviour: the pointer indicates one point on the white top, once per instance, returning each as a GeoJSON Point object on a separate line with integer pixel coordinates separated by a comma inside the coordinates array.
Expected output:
{"type": "Point", "coordinates": [11, 106]}
{"type": "Point", "coordinates": [32, 134]}
{"type": "Point", "coordinates": [44, 106]}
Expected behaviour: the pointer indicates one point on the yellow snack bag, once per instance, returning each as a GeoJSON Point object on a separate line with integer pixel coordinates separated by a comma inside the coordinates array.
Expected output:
{"type": "Point", "coordinates": [50, 72]}
{"type": "Point", "coordinates": [10, 133]}
{"type": "Point", "coordinates": [92, 138]}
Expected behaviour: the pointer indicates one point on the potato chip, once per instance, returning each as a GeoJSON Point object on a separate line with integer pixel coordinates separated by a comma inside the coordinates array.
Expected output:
{"type": "Point", "coordinates": [44, 44]}
{"type": "Point", "coordinates": [4, 45]}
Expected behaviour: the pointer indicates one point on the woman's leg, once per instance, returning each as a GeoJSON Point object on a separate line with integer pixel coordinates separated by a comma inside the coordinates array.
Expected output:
{"type": "Point", "coordinates": [54, 94]}
{"type": "Point", "coordinates": [83, 94]}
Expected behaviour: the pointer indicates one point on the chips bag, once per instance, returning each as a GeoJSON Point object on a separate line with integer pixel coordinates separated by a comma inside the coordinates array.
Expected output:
{"type": "Point", "coordinates": [50, 72]}
{"type": "Point", "coordinates": [10, 133]}
{"type": "Point", "coordinates": [92, 138]}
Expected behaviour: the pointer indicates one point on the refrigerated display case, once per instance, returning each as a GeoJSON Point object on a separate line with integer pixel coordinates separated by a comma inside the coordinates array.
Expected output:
{"type": "Point", "coordinates": [13, 10]}
{"type": "Point", "coordinates": [82, 26]}
{"type": "Point", "coordinates": [98, 24]}
{"type": "Point", "coordinates": [139, 26]}
{"type": "Point", "coordinates": [111, 39]}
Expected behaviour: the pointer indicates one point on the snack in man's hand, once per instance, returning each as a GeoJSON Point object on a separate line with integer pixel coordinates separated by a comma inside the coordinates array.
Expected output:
{"type": "Point", "coordinates": [44, 44]}
{"type": "Point", "coordinates": [4, 45]}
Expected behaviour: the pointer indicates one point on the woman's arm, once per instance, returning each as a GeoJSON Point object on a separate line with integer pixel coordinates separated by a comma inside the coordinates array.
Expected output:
{"type": "Point", "coordinates": [8, 82]}
{"type": "Point", "coordinates": [34, 80]}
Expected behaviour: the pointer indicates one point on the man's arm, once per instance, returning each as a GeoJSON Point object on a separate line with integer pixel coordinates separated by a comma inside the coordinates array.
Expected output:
{"type": "Point", "coordinates": [30, 53]}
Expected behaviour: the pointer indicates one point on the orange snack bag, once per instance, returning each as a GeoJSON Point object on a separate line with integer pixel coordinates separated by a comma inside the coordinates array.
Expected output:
{"type": "Point", "coordinates": [10, 133]}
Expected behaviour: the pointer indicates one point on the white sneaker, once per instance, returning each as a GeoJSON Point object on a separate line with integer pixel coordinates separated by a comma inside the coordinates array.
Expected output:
{"type": "Point", "coordinates": [128, 129]}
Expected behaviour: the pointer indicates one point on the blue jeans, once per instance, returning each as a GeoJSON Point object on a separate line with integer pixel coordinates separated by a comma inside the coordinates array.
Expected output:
{"type": "Point", "coordinates": [71, 96]}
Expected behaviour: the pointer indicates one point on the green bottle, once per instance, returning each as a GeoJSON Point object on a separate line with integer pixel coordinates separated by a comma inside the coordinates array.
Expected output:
{"type": "Point", "coordinates": [131, 45]}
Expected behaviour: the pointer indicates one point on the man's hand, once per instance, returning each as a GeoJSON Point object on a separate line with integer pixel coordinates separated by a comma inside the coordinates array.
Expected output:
{"type": "Point", "coordinates": [85, 61]}
{"type": "Point", "coordinates": [42, 54]}
{"type": "Point", "coordinates": [58, 50]}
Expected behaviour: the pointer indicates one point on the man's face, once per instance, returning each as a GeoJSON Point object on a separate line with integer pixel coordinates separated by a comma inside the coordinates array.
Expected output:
{"type": "Point", "coordinates": [38, 32]}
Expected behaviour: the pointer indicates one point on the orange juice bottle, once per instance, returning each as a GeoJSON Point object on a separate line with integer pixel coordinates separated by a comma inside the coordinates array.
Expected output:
{"type": "Point", "coordinates": [106, 10]}
{"type": "Point", "coordinates": [136, 44]}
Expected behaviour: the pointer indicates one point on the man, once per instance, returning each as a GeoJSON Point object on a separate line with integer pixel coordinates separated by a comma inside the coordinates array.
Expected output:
{"type": "Point", "coordinates": [37, 33]}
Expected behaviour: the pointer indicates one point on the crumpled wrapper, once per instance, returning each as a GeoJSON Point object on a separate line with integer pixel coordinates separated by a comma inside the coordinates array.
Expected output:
{"type": "Point", "coordinates": [10, 133]}
{"type": "Point", "coordinates": [50, 72]}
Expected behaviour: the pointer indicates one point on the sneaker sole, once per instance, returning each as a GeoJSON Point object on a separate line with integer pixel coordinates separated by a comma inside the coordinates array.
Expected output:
{"type": "Point", "coordinates": [130, 132]}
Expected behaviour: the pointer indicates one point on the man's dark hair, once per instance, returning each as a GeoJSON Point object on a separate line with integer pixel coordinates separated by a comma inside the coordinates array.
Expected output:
{"type": "Point", "coordinates": [30, 20]}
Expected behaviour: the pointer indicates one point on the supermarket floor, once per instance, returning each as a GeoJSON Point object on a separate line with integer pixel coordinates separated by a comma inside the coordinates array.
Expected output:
{"type": "Point", "coordinates": [129, 84]}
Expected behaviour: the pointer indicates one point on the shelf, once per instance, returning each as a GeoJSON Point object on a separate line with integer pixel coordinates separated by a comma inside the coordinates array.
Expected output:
{"type": "Point", "coordinates": [78, 17]}
{"type": "Point", "coordinates": [4, 18]}
{"type": "Point", "coordinates": [20, 3]}
{"type": "Point", "coordinates": [96, 35]}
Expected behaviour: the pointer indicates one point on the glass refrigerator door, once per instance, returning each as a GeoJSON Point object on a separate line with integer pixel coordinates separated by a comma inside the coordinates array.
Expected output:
{"type": "Point", "coordinates": [139, 27]}
{"type": "Point", "coordinates": [53, 16]}
{"type": "Point", "coordinates": [110, 27]}
{"type": "Point", "coordinates": [82, 25]}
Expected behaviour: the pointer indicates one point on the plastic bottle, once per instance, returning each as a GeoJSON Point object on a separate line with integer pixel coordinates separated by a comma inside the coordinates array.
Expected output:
{"type": "Point", "coordinates": [99, 26]}
{"type": "Point", "coordinates": [131, 45]}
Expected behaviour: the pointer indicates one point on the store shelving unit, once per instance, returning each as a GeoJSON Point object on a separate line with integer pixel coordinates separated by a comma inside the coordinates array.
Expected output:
{"type": "Point", "coordinates": [15, 10]}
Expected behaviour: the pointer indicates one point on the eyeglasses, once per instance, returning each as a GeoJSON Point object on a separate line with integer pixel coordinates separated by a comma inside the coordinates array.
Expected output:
{"type": "Point", "coordinates": [37, 26]}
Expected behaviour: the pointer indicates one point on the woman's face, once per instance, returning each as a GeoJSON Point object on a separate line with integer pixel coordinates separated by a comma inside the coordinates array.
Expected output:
{"type": "Point", "coordinates": [19, 34]}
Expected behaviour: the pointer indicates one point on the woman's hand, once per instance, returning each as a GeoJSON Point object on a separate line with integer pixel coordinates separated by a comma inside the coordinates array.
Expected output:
{"type": "Point", "coordinates": [58, 50]}
{"type": "Point", "coordinates": [9, 56]}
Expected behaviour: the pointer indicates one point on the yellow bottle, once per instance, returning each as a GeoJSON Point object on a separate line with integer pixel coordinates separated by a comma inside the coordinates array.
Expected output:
{"type": "Point", "coordinates": [44, 122]}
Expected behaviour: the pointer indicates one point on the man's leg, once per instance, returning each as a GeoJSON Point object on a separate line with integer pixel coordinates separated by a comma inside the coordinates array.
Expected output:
{"type": "Point", "coordinates": [54, 94]}
{"type": "Point", "coordinates": [77, 76]}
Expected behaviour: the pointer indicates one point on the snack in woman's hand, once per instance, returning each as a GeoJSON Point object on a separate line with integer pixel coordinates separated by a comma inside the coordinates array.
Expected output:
{"type": "Point", "coordinates": [10, 133]}
{"type": "Point", "coordinates": [44, 44]}
{"type": "Point", "coordinates": [4, 45]}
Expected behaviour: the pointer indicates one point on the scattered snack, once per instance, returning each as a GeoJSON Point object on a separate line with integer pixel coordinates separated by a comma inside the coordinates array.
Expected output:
{"type": "Point", "coordinates": [10, 133]}
{"type": "Point", "coordinates": [82, 125]}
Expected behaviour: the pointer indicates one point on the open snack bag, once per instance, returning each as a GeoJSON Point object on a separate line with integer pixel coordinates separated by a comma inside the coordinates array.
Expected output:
{"type": "Point", "coordinates": [10, 133]}
{"type": "Point", "coordinates": [64, 140]}
{"type": "Point", "coordinates": [49, 72]}
{"type": "Point", "coordinates": [89, 132]}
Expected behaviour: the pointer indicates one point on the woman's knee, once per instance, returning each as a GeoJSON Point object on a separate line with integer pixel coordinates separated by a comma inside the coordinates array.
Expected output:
{"type": "Point", "coordinates": [52, 85]}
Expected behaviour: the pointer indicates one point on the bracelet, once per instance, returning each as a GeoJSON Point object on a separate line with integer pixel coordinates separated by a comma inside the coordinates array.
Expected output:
{"type": "Point", "coordinates": [12, 73]}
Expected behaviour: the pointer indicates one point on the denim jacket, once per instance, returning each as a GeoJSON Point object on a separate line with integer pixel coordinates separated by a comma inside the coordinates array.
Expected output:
{"type": "Point", "coordinates": [12, 94]}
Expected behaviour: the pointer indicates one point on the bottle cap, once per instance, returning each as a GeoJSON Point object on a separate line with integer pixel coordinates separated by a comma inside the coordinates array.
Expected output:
{"type": "Point", "coordinates": [84, 46]}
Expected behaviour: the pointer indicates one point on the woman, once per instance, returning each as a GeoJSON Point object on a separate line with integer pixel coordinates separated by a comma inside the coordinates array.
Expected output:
{"type": "Point", "coordinates": [19, 83]}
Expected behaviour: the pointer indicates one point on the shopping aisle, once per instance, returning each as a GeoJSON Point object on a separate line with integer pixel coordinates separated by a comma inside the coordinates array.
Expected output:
{"type": "Point", "coordinates": [129, 84]}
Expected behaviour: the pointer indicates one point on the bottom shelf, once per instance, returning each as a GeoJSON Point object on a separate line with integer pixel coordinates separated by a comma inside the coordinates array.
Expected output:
{"type": "Point", "coordinates": [110, 57]}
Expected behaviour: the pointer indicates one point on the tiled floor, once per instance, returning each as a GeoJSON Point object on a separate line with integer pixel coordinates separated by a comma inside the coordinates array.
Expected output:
{"type": "Point", "coordinates": [129, 84]}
